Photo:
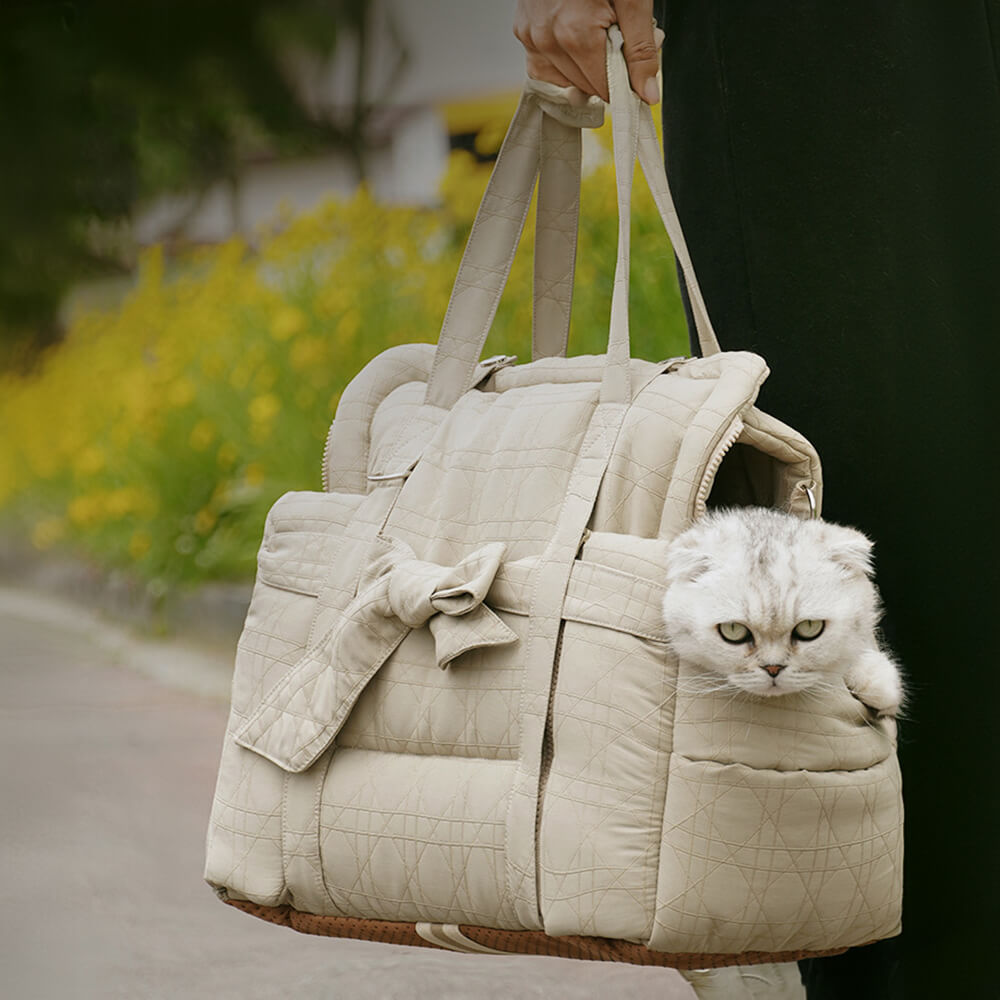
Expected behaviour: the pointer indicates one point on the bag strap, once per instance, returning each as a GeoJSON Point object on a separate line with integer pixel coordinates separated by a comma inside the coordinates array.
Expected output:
{"type": "Point", "coordinates": [566, 114]}
{"type": "Point", "coordinates": [651, 160]}
{"type": "Point", "coordinates": [557, 214]}
{"type": "Point", "coordinates": [496, 231]}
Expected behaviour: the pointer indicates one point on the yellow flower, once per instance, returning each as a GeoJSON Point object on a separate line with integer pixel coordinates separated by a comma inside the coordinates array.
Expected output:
{"type": "Point", "coordinates": [202, 435]}
{"type": "Point", "coordinates": [86, 510]}
{"type": "Point", "coordinates": [463, 185]}
{"type": "Point", "coordinates": [47, 532]}
{"type": "Point", "coordinates": [227, 455]}
{"type": "Point", "coordinates": [287, 322]}
{"type": "Point", "coordinates": [127, 500]}
{"type": "Point", "coordinates": [263, 409]}
{"type": "Point", "coordinates": [307, 352]}
{"type": "Point", "coordinates": [139, 544]}
{"type": "Point", "coordinates": [334, 298]}
{"type": "Point", "coordinates": [181, 392]}
{"type": "Point", "coordinates": [89, 462]}
{"type": "Point", "coordinates": [204, 521]}
{"type": "Point", "coordinates": [254, 474]}
{"type": "Point", "coordinates": [349, 324]}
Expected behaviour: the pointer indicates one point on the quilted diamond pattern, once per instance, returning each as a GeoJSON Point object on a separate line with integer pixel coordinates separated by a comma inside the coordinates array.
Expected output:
{"type": "Point", "coordinates": [604, 795]}
{"type": "Point", "coordinates": [623, 796]}
{"type": "Point", "coordinates": [562, 776]}
{"type": "Point", "coordinates": [468, 710]}
{"type": "Point", "coordinates": [777, 860]}
{"type": "Point", "coordinates": [416, 838]}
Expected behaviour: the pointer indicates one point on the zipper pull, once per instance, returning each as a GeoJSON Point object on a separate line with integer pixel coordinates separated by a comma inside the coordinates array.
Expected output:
{"type": "Point", "coordinates": [672, 364]}
{"type": "Point", "coordinates": [488, 366]}
{"type": "Point", "coordinates": [808, 487]}
{"type": "Point", "coordinates": [498, 361]}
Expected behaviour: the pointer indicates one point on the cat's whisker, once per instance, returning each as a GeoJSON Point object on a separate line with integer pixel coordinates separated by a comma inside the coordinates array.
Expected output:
{"type": "Point", "coordinates": [702, 684]}
{"type": "Point", "coordinates": [751, 590]}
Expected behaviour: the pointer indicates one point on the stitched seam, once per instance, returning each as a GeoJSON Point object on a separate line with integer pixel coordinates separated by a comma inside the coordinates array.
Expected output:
{"type": "Point", "coordinates": [775, 770]}
{"type": "Point", "coordinates": [282, 836]}
{"type": "Point", "coordinates": [318, 817]}
{"type": "Point", "coordinates": [438, 358]}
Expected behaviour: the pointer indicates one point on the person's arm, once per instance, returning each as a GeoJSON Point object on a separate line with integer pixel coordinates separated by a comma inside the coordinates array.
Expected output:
{"type": "Point", "coordinates": [565, 42]}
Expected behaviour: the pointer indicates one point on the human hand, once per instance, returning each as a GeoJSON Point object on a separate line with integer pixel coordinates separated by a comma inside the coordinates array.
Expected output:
{"type": "Point", "coordinates": [565, 42]}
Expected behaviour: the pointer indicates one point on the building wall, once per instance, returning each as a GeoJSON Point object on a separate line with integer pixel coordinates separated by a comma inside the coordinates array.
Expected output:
{"type": "Point", "coordinates": [455, 51]}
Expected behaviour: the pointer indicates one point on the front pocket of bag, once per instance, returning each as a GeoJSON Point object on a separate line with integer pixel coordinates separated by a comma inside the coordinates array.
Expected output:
{"type": "Point", "coordinates": [612, 713]}
{"type": "Point", "coordinates": [604, 788]}
{"type": "Point", "coordinates": [301, 537]}
{"type": "Point", "coordinates": [417, 837]}
{"type": "Point", "coordinates": [771, 861]}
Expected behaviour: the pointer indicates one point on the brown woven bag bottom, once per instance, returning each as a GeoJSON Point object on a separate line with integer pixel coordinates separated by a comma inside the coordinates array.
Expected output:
{"type": "Point", "coordinates": [593, 949]}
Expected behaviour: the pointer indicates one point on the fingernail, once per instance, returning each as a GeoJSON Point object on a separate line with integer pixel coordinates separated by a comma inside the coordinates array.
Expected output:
{"type": "Point", "coordinates": [651, 91]}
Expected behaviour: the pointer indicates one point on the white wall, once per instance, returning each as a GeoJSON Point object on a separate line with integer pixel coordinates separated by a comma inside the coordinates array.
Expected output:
{"type": "Point", "coordinates": [456, 50]}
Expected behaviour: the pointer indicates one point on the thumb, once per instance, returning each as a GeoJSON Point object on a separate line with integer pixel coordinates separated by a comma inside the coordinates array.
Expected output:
{"type": "Point", "coordinates": [641, 46]}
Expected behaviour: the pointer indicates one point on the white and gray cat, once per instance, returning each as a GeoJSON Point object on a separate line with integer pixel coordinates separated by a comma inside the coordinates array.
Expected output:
{"type": "Point", "coordinates": [777, 605]}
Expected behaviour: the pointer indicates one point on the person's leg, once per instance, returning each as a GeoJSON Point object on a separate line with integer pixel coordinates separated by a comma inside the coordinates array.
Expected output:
{"type": "Point", "coordinates": [837, 171]}
{"type": "Point", "coordinates": [748, 982]}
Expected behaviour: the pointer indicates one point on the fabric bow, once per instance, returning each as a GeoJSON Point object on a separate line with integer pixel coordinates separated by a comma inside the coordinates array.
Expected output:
{"type": "Point", "coordinates": [299, 717]}
{"type": "Point", "coordinates": [449, 599]}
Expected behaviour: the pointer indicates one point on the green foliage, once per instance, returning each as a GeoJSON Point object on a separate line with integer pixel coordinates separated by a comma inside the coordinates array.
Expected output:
{"type": "Point", "coordinates": [108, 101]}
{"type": "Point", "coordinates": [160, 432]}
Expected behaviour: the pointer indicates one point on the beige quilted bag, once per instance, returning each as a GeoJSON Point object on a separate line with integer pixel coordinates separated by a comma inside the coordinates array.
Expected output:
{"type": "Point", "coordinates": [455, 719]}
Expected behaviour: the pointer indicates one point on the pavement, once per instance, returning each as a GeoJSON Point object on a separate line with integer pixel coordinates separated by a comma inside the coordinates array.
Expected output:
{"type": "Point", "coordinates": [110, 741]}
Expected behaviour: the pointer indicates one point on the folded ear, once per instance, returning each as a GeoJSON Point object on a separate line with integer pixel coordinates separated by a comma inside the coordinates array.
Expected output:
{"type": "Point", "coordinates": [850, 549]}
{"type": "Point", "coordinates": [687, 559]}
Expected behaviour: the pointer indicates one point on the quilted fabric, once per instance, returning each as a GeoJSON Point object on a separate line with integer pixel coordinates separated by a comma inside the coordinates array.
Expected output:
{"type": "Point", "coordinates": [454, 704]}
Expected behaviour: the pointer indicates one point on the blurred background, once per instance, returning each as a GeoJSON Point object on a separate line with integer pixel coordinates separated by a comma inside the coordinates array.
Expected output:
{"type": "Point", "coordinates": [213, 215]}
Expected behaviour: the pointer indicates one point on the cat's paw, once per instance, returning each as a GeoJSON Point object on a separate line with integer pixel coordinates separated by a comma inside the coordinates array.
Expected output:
{"type": "Point", "coordinates": [875, 681]}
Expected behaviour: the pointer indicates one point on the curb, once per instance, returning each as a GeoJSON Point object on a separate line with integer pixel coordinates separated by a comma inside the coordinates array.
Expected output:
{"type": "Point", "coordinates": [212, 613]}
{"type": "Point", "coordinates": [196, 667]}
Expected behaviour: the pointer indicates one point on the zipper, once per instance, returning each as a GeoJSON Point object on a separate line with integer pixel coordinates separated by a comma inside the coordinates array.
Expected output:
{"type": "Point", "coordinates": [545, 766]}
{"type": "Point", "coordinates": [708, 479]}
{"type": "Point", "coordinates": [324, 471]}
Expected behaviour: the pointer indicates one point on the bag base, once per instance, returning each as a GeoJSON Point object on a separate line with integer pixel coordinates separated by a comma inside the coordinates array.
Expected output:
{"type": "Point", "coordinates": [593, 949]}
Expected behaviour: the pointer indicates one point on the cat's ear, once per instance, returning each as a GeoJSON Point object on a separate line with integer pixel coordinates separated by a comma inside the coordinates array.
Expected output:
{"type": "Point", "coordinates": [687, 560]}
{"type": "Point", "coordinates": [850, 549]}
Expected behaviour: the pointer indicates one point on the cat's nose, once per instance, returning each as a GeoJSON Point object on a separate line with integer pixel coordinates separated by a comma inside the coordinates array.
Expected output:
{"type": "Point", "coordinates": [773, 668]}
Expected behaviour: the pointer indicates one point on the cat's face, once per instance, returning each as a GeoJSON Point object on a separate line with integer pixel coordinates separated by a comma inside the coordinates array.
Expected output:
{"type": "Point", "coordinates": [772, 603]}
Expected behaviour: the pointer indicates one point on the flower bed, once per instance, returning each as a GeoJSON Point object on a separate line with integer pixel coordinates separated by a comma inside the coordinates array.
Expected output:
{"type": "Point", "coordinates": [157, 435]}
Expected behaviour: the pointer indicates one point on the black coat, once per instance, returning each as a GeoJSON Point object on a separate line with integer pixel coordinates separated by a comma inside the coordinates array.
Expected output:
{"type": "Point", "coordinates": [837, 171]}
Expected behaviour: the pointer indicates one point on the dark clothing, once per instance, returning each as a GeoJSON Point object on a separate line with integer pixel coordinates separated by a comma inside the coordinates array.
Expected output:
{"type": "Point", "coordinates": [837, 172]}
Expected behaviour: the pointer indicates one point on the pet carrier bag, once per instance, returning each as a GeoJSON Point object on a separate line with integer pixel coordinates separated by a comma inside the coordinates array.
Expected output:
{"type": "Point", "coordinates": [456, 721]}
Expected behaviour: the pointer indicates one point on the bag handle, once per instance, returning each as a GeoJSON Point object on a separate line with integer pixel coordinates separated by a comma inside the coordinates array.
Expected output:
{"type": "Point", "coordinates": [557, 213]}
{"type": "Point", "coordinates": [496, 230]}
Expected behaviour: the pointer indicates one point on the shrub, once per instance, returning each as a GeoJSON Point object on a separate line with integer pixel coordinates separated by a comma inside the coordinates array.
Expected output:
{"type": "Point", "coordinates": [156, 436]}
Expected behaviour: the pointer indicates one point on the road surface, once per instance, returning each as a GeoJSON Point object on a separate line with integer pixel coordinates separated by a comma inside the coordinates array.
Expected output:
{"type": "Point", "coordinates": [109, 746]}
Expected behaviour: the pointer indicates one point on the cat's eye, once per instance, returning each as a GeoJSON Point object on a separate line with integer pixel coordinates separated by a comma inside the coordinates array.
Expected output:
{"type": "Point", "coordinates": [811, 628]}
{"type": "Point", "coordinates": [735, 632]}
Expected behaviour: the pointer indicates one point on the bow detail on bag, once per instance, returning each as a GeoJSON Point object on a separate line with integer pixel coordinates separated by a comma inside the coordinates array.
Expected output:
{"type": "Point", "coordinates": [447, 598]}
{"type": "Point", "coordinates": [299, 717]}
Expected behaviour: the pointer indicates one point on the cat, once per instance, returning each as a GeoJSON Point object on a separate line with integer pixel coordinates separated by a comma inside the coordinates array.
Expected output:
{"type": "Point", "coordinates": [776, 605]}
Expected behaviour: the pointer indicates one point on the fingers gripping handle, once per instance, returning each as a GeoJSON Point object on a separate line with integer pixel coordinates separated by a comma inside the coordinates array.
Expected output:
{"type": "Point", "coordinates": [496, 231]}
